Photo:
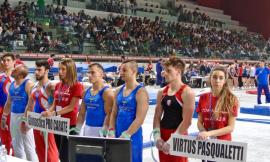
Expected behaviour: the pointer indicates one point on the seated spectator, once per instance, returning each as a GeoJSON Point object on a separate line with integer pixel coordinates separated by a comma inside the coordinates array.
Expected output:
{"type": "Point", "coordinates": [64, 44]}
{"type": "Point", "coordinates": [30, 43]}
{"type": "Point", "coordinates": [45, 43]}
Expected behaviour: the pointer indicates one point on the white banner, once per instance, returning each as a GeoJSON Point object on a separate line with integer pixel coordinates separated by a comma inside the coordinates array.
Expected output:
{"type": "Point", "coordinates": [54, 124]}
{"type": "Point", "coordinates": [211, 149]}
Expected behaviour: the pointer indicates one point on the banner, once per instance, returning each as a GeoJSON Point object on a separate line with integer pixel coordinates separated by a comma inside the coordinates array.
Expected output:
{"type": "Point", "coordinates": [211, 149]}
{"type": "Point", "coordinates": [54, 124]}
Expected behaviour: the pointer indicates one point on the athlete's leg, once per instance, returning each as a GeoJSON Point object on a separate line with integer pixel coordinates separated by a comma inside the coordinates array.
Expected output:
{"type": "Point", "coordinates": [29, 146]}
{"type": "Point", "coordinates": [5, 135]}
{"type": "Point", "coordinates": [17, 140]}
{"type": "Point", "coordinates": [259, 91]}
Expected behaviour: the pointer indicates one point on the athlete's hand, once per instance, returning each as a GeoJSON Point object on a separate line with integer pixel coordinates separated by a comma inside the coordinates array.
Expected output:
{"type": "Point", "coordinates": [111, 133]}
{"type": "Point", "coordinates": [44, 114]}
{"type": "Point", "coordinates": [4, 122]}
{"type": "Point", "coordinates": [103, 132]}
{"type": "Point", "coordinates": [47, 113]}
{"type": "Point", "coordinates": [78, 128]}
{"type": "Point", "coordinates": [125, 135]}
{"type": "Point", "coordinates": [24, 127]}
{"type": "Point", "coordinates": [204, 135]}
{"type": "Point", "coordinates": [166, 148]}
{"type": "Point", "coordinates": [159, 143]}
{"type": "Point", "coordinates": [157, 138]}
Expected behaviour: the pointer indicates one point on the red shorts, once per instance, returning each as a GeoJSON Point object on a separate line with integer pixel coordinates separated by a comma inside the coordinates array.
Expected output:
{"type": "Point", "coordinates": [5, 134]}
{"type": "Point", "coordinates": [165, 135]}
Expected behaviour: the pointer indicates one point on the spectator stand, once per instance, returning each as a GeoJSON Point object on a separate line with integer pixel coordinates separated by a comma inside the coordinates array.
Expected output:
{"type": "Point", "coordinates": [116, 35]}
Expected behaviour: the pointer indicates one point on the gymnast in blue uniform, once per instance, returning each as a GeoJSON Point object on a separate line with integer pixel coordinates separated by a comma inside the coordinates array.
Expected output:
{"type": "Point", "coordinates": [96, 104]}
{"type": "Point", "coordinates": [129, 110]}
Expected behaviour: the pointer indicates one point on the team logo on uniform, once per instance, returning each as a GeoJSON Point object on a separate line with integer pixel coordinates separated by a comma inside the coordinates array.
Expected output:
{"type": "Point", "coordinates": [124, 102]}
{"type": "Point", "coordinates": [16, 93]}
{"type": "Point", "coordinates": [36, 94]}
{"type": "Point", "coordinates": [169, 102]}
{"type": "Point", "coordinates": [91, 99]}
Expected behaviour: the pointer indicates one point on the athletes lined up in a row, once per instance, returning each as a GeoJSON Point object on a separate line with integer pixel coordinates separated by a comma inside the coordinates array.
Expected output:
{"type": "Point", "coordinates": [118, 113]}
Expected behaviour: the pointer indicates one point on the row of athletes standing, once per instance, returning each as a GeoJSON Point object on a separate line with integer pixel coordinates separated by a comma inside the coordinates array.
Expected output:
{"type": "Point", "coordinates": [118, 113]}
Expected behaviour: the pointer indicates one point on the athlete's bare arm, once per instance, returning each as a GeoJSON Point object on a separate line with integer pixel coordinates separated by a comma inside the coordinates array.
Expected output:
{"type": "Point", "coordinates": [142, 107]}
{"type": "Point", "coordinates": [114, 109]}
{"type": "Point", "coordinates": [158, 110]}
{"type": "Point", "coordinates": [6, 110]}
{"type": "Point", "coordinates": [108, 98]}
{"type": "Point", "coordinates": [30, 104]}
{"type": "Point", "coordinates": [188, 97]}
{"type": "Point", "coordinates": [81, 116]}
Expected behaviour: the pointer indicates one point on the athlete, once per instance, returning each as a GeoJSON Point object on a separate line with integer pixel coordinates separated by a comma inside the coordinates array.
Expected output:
{"type": "Point", "coordinates": [40, 100]}
{"type": "Point", "coordinates": [19, 92]}
{"type": "Point", "coordinates": [174, 109]}
{"type": "Point", "coordinates": [129, 110]}
{"type": "Point", "coordinates": [96, 104]}
{"type": "Point", "coordinates": [7, 62]}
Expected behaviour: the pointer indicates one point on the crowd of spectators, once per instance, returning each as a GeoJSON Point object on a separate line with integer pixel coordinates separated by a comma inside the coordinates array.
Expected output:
{"type": "Point", "coordinates": [196, 17]}
{"type": "Point", "coordinates": [13, 22]}
{"type": "Point", "coordinates": [184, 15]}
{"type": "Point", "coordinates": [110, 6]}
{"type": "Point", "coordinates": [119, 34]}
{"type": "Point", "coordinates": [17, 29]}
